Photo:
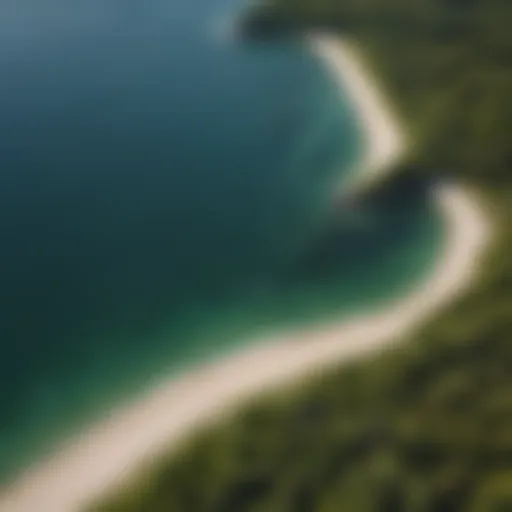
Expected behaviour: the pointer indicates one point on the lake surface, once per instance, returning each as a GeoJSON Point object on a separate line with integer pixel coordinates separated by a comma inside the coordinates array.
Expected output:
{"type": "Point", "coordinates": [166, 194]}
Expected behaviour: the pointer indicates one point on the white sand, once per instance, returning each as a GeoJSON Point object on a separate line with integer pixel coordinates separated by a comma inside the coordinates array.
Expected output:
{"type": "Point", "coordinates": [112, 451]}
{"type": "Point", "coordinates": [385, 139]}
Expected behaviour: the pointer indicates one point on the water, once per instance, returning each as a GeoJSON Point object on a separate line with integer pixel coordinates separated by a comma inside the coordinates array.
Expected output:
{"type": "Point", "coordinates": [164, 193]}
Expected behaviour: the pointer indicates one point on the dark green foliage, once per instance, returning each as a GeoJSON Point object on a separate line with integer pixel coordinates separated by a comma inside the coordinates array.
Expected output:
{"type": "Point", "coordinates": [427, 426]}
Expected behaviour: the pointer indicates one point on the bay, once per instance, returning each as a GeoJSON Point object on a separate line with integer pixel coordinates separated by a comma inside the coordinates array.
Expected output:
{"type": "Point", "coordinates": [165, 195]}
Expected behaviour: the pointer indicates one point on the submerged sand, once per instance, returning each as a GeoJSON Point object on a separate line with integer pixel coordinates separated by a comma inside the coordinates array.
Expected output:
{"type": "Point", "coordinates": [113, 451]}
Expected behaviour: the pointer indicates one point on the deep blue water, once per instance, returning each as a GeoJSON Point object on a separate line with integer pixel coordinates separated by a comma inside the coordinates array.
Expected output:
{"type": "Point", "coordinates": [164, 192]}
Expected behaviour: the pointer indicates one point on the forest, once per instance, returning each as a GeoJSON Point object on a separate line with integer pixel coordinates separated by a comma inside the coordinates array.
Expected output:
{"type": "Point", "coordinates": [427, 424]}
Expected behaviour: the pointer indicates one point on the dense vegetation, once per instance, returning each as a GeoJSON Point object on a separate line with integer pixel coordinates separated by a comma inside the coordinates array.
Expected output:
{"type": "Point", "coordinates": [426, 426]}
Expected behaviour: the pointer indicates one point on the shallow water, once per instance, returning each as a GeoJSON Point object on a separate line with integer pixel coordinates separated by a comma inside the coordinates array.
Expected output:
{"type": "Point", "coordinates": [164, 192]}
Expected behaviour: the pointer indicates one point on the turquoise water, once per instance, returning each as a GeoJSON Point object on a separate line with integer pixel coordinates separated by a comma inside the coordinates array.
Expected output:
{"type": "Point", "coordinates": [165, 195]}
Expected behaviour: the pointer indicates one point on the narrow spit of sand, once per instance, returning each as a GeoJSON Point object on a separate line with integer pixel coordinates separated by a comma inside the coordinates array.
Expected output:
{"type": "Point", "coordinates": [384, 137]}
{"type": "Point", "coordinates": [111, 452]}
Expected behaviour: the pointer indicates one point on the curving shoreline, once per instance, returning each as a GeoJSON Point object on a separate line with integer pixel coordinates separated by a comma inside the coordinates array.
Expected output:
{"type": "Point", "coordinates": [108, 453]}
{"type": "Point", "coordinates": [384, 137]}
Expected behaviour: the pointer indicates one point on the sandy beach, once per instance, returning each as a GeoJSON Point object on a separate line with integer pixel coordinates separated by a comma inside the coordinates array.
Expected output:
{"type": "Point", "coordinates": [385, 139]}
{"type": "Point", "coordinates": [112, 451]}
